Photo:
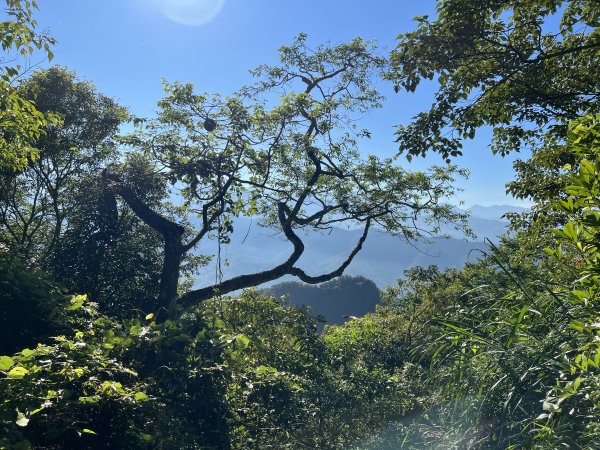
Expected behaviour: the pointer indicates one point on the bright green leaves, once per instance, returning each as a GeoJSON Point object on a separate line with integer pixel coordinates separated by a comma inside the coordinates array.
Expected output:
{"type": "Point", "coordinates": [76, 302]}
{"type": "Point", "coordinates": [140, 397]}
{"type": "Point", "coordinates": [242, 341]}
{"type": "Point", "coordinates": [22, 419]}
{"type": "Point", "coordinates": [577, 248]}
{"type": "Point", "coordinates": [89, 400]}
{"type": "Point", "coordinates": [584, 136]}
{"type": "Point", "coordinates": [19, 33]}
{"type": "Point", "coordinates": [583, 192]}
{"type": "Point", "coordinates": [21, 124]}
{"type": "Point", "coordinates": [60, 384]}
{"type": "Point", "coordinates": [6, 362]}
{"type": "Point", "coordinates": [111, 388]}
{"type": "Point", "coordinates": [260, 370]}
{"type": "Point", "coordinates": [571, 231]}
{"type": "Point", "coordinates": [16, 373]}
{"type": "Point", "coordinates": [136, 330]}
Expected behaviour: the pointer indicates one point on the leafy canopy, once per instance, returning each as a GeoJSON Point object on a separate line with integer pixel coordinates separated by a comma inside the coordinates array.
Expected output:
{"type": "Point", "coordinates": [21, 123]}
{"type": "Point", "coordinates": [522, 67]}
{"type": "Point", "coordinates": [285, 149]}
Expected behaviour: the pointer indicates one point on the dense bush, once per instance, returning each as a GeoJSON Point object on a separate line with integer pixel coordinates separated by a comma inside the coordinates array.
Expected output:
{"type": "Point", "coordinates": [515, 356]}
{"type": "Point", "coordinates": [247, 372]}
{"type": "Point", "coordinates": [29, 305]}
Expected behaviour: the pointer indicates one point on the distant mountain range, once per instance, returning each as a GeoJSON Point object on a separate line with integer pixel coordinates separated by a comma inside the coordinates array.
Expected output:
{"type": "Point", "coordinates": [383, 258]}
{"type": "Point", "coordinates": [495, 212]}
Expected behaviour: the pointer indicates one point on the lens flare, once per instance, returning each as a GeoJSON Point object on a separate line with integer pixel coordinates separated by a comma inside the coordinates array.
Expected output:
{"type": "Point", "coordinates": [191, 12]}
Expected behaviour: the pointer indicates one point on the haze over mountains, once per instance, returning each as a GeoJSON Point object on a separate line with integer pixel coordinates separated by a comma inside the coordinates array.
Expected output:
{"type": "Point", "coordinates": [495, 212]}
{"type": "Point", "coordinates": [383, 258]}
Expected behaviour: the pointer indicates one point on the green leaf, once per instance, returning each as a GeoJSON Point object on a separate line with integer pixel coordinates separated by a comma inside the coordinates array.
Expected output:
{"type": "Point", "coordinates": [27, 352]}
{"type": "Point", "coordinates": [6, 362]}
{"type": "Point", "coordinates": [242, 341]}
{"type": "Point", "coordinates": [579, 326]}
{"type": "Point", "coordinates": [17, 373]}
{"type": "Point", "coordinates": [76, 302]}
{"type": "Point", "coordinates": [141, 397]}
{"type": "Point", "coordinates": [516, 324]}
{"type": "Point", "coordinates": [265, 369]}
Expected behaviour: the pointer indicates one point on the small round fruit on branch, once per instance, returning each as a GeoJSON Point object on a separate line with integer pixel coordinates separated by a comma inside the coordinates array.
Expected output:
{"type": "Point", "coordinates": [209, 124]}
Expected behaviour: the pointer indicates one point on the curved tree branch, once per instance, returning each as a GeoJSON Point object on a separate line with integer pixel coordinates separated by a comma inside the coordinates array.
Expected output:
{"type": "Point", "coordinates": [340, 270]}
{"type": "Point", "coordinates": [171, 232]}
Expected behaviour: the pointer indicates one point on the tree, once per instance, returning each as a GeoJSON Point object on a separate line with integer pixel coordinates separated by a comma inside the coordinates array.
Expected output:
{"type": "Point", "coordinates": [105, 250]}
{"type": "Point", "coordinates": [36, 201]}
{"type": "Point", "coordinates": [294, 163]}
{"type": "Point", "coordinates": [21, 123]}
{"type": "Point", "coordinates": [336, 301]}
{"type": "Point", "coordinates": [525, 68]}
{"type": "Point", "coordinates": [54, 214]}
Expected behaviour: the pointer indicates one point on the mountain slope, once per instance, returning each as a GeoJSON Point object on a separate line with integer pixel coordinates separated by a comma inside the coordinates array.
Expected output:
{"type": "Point", "coordinates": [335, 300]}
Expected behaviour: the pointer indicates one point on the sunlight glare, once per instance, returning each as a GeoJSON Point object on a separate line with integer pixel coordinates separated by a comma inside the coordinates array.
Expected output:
{"type": "Point", "coordinates": [191, 12]}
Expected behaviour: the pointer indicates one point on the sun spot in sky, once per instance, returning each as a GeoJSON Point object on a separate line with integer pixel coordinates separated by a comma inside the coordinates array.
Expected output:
{"type": "Point", "coordinates": [190, 12]}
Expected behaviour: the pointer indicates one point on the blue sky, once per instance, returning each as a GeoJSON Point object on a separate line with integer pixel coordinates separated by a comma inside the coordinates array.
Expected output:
{"type": "Point", "coordinates": [125, 46]}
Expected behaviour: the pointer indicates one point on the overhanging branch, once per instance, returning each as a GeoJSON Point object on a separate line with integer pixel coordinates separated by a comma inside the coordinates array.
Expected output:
{"type": "Point", "coordinates": [151, 218]}
{"type": "Point", "coordinates": [286, 268]}
{"type": "Point", "coordinates": [340, 270]}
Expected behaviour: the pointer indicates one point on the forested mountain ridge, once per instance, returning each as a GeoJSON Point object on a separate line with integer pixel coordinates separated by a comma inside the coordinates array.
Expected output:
{"type": "Point", "coordinates": [337, 301]}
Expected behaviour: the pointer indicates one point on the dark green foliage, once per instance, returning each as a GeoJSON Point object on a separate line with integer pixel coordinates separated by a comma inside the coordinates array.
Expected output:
{"type": "Point", "coordinates": [55, 213]}
{"type": "Point", "coordinates": [509, 64]}
{"type": "Point", "coordinates": [523, 68]}
{"type": "Point", "coordinates": [106, 251]}
{"type": "Point", "coordinates": [334, 300]}
{"type": "Point", "coordinates": [38, 201]}
{"type": "Point", "coordinates": [29, 305]}
{"type": "Point", "coordinates": [88, 118]}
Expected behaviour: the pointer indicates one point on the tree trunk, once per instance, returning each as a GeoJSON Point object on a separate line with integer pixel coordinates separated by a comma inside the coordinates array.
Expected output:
{"type": "Point", "coordinates": [171, 232]}
{"type": "Point", "coordinates": [169, 279]}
